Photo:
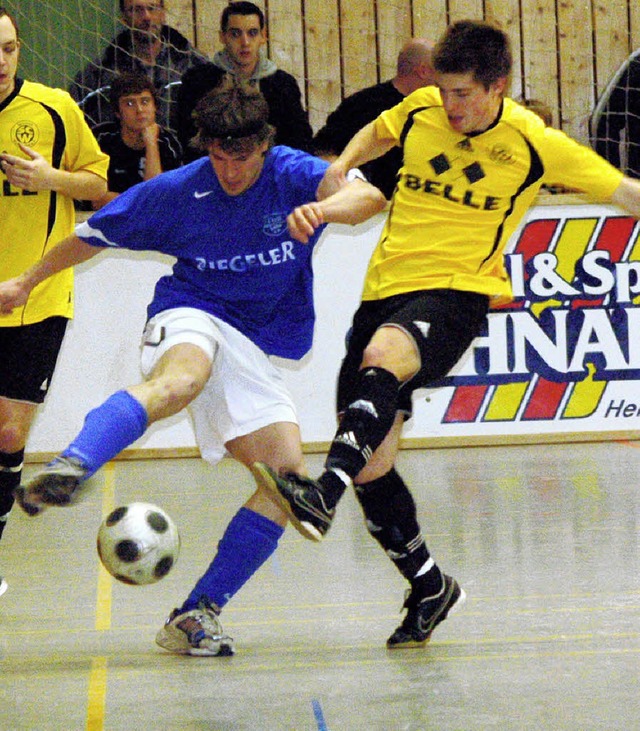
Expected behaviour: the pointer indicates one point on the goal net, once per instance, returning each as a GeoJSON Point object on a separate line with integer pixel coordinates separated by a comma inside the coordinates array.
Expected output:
{"type": "Point", "coordinates": [565, 54]}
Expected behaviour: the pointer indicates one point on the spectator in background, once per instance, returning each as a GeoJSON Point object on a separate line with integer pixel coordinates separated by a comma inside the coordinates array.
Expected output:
{"type": "Point", "coordinates": [243, 35]}
{"type": "Point", "coordinates": [414, 70]}
{"type": "Point", "coordinates": [138, 147]}
{"type": "Point", "coordinates": [615, 122]}
{"type": "Point", "coordinates": [48, 157]}
{"type": "Point", "coordinates": [146, 46]}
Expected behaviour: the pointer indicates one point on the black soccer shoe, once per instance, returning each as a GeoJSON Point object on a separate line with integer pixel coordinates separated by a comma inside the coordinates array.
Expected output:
{"type": "Point", "coordinates": [424, 614]}
{"type": "Point", "coordinates": [56, 484]}
{"type": "Point", "coordinates": [300, 497]}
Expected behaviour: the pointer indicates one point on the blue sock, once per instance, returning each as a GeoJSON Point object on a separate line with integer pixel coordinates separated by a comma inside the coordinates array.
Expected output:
{"type": "Point", "coordinates": [247, 543]}
{"type": "Point", "coordinates": [107, 430]}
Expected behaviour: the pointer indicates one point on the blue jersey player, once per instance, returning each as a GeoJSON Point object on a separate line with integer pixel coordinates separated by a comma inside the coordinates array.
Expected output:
{"type": "Point", "coordinates": [242, 223]}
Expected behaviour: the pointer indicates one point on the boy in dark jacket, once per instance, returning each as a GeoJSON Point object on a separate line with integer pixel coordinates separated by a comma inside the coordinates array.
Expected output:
{"type": "Point", "coordinates": [243, 34]}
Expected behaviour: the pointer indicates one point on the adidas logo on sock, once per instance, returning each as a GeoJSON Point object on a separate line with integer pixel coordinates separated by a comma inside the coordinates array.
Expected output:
{"type": "Point", "coordinates": [348, 438]}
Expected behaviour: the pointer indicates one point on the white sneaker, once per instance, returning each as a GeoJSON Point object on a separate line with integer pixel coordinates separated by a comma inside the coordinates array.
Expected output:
{"type": "Point", "coordinates": [196, 632]}
{"type": "Point", "coordinates": [3, 585]}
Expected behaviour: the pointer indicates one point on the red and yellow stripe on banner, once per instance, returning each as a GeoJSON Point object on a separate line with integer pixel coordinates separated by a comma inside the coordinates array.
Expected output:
{"type": "Point", "coordinates": [539, 398]}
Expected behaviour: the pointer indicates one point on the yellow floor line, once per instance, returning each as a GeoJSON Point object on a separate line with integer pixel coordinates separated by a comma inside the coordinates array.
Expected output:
{"type": "Point", "coordinates": [97, 692]}
{"type": "Point", "coordinates": [103, 601]}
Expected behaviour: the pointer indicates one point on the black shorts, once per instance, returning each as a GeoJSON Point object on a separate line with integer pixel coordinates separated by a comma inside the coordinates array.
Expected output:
{"type": "Point", "coordinates": [28, 355]}
{"type": "Point", "coordinates": [441, 322]}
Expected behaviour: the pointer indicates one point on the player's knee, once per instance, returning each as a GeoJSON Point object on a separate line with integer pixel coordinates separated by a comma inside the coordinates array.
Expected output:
{"type": "Point", "coordinates": [376, 355]}
{"type": "Point", "coordinates": [170, 395]}
{"type": "Point", "coordinates": [394, 351]}
{"type": "Point", "coordinates": [13, 436]}
{"type": "Point", "coordinates": [187, 385]}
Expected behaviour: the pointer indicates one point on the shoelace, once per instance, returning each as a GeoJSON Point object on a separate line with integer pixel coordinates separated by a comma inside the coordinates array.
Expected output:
{"type": "Point", "coordinates": [204, 624]}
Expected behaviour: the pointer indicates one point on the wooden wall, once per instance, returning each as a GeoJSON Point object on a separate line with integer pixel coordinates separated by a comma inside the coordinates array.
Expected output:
{"type": "Point", "coordinates": [564, 52]}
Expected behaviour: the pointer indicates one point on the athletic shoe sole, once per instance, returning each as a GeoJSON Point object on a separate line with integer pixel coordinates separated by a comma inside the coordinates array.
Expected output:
{"type": "Point", "coordinates": [28, 507]}
{"type": "Point", "coordinates": [174, 640]}
{"type": "Point", "coordinates": [266, 478]}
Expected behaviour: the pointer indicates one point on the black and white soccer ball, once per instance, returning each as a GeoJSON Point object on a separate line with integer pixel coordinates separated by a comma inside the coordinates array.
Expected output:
{"type": "Point", "coordinates": [138, 543]}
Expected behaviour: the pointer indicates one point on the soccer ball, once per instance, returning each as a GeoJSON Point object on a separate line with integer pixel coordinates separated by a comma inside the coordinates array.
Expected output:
{"type": "Point", "coordinates": [138, 543]}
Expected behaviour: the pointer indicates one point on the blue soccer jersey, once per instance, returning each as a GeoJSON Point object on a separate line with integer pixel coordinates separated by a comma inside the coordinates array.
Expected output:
{"type": "Point", "coordinates": [235, 258]}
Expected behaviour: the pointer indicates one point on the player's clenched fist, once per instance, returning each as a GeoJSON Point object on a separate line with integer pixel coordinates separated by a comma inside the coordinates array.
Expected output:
{"type": "Point", "coordinates": [12, 294]}
{"type": "Point", "coordinates": [304, 220]}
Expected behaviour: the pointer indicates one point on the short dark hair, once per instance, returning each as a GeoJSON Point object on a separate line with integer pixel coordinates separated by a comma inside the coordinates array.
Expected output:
{"type": "Point", "coordinates": [130, 83]}
{"type": "Point", "coordinates": [477, 47]}
{"type": "Point", "coordinates": [122, 2]}
{"type": "Point", "coordinates": [3, 12]}
{"type": "Point", "coordinates": [236, 118]}
{"type": "Point", "coordinates": [240, 7]}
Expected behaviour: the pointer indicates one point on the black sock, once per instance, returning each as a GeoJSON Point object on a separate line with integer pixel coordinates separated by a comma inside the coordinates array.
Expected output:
{"type": "Point", "coordinates": [10, 474]}
{"type": "Point", "coordinates": [391, 516]}
{"type": "Point", "coordinates": [363, 426]}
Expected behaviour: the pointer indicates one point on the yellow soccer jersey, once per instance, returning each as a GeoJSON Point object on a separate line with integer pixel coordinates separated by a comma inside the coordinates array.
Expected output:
{"type": "Point", "coordinates": [48, 121]}
{"type": "Point", "coordinates": [460, 197]}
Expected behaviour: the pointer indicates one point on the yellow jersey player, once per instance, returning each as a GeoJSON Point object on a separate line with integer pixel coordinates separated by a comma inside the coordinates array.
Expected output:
{"type": "Point", "coordinates": [48, 157]}
{"type": "Point", "coordinates": [473, 162]}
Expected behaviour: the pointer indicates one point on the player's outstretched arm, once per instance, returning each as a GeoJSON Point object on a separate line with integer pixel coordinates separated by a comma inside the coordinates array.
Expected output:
{"type": "Point", "coordinates": [365, 145]}
{"type": "Point", "coordinates": [355, 202]}
{"type": "Point", "coordinates": [72, 250]}
{"type": "Point", "coordinates": [627, 196]}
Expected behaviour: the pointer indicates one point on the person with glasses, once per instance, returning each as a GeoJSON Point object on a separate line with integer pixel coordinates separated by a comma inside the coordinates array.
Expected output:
{"type": "Point", "coordinates": [146, 46]}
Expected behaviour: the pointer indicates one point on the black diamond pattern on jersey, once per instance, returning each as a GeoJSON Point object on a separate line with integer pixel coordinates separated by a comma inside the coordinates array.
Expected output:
{"type": "Point", "coordinates": [474, 172]}
{"type": "Point", "coordinates": [440, 164]}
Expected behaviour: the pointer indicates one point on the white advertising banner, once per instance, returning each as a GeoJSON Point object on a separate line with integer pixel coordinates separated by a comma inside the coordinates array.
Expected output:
{"type": "Point", "coordinates": [564, 356]}
{"type": "Point", "coordinates": [561, 362]}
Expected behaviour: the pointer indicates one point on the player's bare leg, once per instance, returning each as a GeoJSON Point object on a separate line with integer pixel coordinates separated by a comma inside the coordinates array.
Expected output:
{"type": "Point", "coordinates": [123, 418]}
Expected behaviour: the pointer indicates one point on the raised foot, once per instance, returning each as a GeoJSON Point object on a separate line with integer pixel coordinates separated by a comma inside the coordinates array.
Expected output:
{"type": "Point", "coordinates": [56, 484]}
{"type": "Point", "coordinates": [300, 497]}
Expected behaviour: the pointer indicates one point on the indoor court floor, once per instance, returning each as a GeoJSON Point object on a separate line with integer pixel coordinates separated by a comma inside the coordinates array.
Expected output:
{"type": "Point", "coordinates": [545, 540]}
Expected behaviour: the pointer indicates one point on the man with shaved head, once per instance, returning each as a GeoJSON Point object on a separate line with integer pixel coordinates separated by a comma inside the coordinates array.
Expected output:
{"type": "Point", "coordinates": [414, 70]}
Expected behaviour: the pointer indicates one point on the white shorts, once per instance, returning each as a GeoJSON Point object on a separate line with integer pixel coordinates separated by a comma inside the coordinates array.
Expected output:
{"type": "Point", "coordinates": [245, 391]}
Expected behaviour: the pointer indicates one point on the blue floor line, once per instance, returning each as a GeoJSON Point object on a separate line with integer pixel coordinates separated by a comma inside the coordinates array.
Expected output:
{"type": "Point", "coordinates": [317, 712]}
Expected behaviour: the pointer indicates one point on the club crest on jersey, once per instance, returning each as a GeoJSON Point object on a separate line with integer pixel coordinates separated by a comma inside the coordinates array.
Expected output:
{"type": "Point", "coordinates": [274, 224]}
{"type": "Point", "coordinates": [25, 133]}
{"type": "Point", "coordinates": [502, 155]}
